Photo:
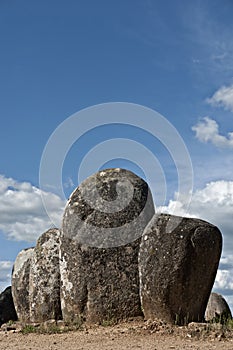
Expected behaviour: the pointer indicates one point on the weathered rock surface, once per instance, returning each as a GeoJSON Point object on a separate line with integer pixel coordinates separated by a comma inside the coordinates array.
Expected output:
{"type": "Point", "coordinates": [7, 308]}
{"type": "Point", "coordinates": [102, 226]}
{"type": "Point", "coordinates": [217, 308]}
{"type": "Point", "coordinates": [178, 261]}
{"type": "Point", "coordinates": [20, 284]}
{"type": "Point", "coordinates": [44, 279]}
{"type": "Point", "coordinates": [109, 209]}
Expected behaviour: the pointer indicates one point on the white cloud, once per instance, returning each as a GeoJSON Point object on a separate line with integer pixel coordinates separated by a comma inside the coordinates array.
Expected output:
{"type": "Point", "coordinates": [5, 270]}
{"type": "Point", "coordinates": [223, 98]}
{"type": "Point", "coordinates": [212, 39]}
{"type": "Point", "coordinates": [22, 214]}
{"type": "Point", "coordinates": [69, 183]}
{"type": "Point", "coordinates": [224, 280]}
{"type": "Point", "coordinates": [207, 130]}
{"type": "Point", "coordinates": [5, 274]}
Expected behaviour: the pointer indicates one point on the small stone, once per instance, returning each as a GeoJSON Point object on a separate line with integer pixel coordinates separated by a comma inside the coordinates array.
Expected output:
{"type": "Point", "coordinates": [20, 284]}
{"type": "Point", "coordinates": [197, 326]}
{"type": "Point", "coordinates": [44, 279]}
{"type": "Point", "coordinates": [217, 309]}
{"type": "Point", "coordinates": [7, 308]}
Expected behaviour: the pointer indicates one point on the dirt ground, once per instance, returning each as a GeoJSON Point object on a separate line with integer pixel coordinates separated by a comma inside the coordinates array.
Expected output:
{"type": "Point", "coordinates": [128, 335]}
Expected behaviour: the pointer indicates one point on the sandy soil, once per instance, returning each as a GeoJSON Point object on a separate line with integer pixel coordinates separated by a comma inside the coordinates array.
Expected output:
{"type": "Point", "coordinates": [119, 337]}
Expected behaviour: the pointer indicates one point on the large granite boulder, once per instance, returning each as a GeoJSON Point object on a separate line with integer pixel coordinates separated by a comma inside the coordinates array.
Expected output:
{"type": "Point", "coordinates": [20, 284]}
{"type": "Point", "coordinates": [44, 279]}
{"type": "Point", "coordinates": [178, 261]}
{"type": "Point", "coordinates": [101, 231]}
{"type": "Point", "coordinates": [217, 309]}
{"type": "Point", "coordinates": [7, 308]}
{"type": "Point", "coordinates": [109, 209]}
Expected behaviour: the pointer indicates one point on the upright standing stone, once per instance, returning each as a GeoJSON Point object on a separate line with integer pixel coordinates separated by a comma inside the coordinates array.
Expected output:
{"type": "Point", "coordinates": [217, 308]}
{"type": "Point", "coordinates": [178, 261]}
{"type": "Point", "coordinates": [101, 231]}
{"type": "Point", "coordinates": [7, 308]}
{"type": "Point", "coordinates": [44, 280]}
{"type": "Point", "coordinates": [20, 284]}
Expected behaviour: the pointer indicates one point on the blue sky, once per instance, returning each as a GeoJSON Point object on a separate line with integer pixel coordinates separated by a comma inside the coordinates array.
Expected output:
{"type": "Point", "coordinates": [59, 57]}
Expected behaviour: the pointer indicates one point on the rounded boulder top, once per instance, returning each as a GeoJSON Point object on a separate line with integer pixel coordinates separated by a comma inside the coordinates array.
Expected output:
{"type": "Point", "coordinates": [109, 209]}
{"type": "Point", "coordinates": [217, 309]}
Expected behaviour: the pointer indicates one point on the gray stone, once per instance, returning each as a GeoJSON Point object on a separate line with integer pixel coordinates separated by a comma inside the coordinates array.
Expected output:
{"type": "Point", "coordinates": [99, 284]}
{"type": "Point", "coordinates": [20, 284]}
{"type": "Point", "coordinates": [178, 261]}
{"type": "Point", "coordinates": [44, 279]}
{"type": "Point", "coordinates": [7, 308]}
{"type": "Point", "coordinates": [101, 231]}
{"type": "Point", "coordinates": [109, 209]}
{"type": "Point", "coordinates": [217, 308]}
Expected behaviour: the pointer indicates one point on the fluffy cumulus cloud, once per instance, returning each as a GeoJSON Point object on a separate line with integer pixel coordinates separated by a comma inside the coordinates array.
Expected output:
{"type": "Point", "coordinates": [22, 214]}
{"type": "Point", "coordinates": [224, 279]}
{"type": "Point", "coordinates": [214, 203]}
{"type": "Point", "coordinates": [223, 98]}
{"type": "Point", "coordinates": [207, 130]}
{"type": "Point", "coordinates": [5, 274]}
